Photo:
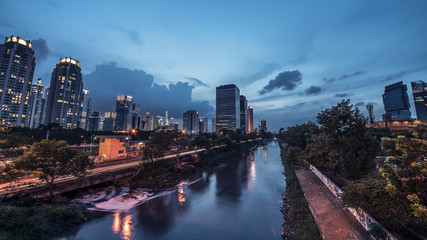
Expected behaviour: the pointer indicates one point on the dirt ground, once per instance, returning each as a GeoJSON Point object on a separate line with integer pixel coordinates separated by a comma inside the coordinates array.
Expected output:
{"type": "Point", "coordinates": [331, 218]}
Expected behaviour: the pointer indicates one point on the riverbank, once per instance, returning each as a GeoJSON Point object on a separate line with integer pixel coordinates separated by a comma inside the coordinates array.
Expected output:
{"type": "Point", "coordinates": [295, 207]}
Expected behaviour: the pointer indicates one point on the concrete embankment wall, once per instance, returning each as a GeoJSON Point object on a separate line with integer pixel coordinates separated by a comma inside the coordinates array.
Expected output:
{"type": "Point", "coordinates": [363, 217]}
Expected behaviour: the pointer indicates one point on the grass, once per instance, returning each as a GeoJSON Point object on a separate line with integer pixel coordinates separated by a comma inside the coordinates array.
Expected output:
{"type": "Point", "coordinates": [301, 219]}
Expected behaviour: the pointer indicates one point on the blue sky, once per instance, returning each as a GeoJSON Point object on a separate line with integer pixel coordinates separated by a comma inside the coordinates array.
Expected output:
{"type": "Point", "coordinates": [291, 59]}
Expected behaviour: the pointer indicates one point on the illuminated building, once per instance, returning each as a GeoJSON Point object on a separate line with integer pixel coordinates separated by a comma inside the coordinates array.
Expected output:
{"type": "Point", "coordinates": [94, 121]}
{"type": "Point", "coordinates": [85, 109]}
{"type": "Point", "coordinates": [148, 122]}
{"type": "Point", "coordinates": [65, 94]}
{"type": "Point", "coordinates": [396, 102]}
{"type": "Point", "coordinates": [250, 119]}
{"type": "Point", "coordinates": [17, 63]}
{"type": "Point", "coordinates": [124, 110]}
{"type": "Point", "coordinates": [203, 125]}
{"type": "Point", "coordinates": [243, 113]}
{"type": "Point", "coordinates": [397, 127]}
{"type": "Point", "coordinates": [227, 107]}
{"type": "Point", "coordinates": [213, 124]}
{"type": "Point", "coordinates": [109, 121]}
{"type": "Point", "coordinates": [174, 126]}
{"type": "Point", "coordinates": [263, 126]}
{"type": "Point", "coordinates": [419, 91]}
{"type": "Point", "coordinates": [190, 123]}
{"type": "Point", "coordinates": [36, 104]}
{"type": "Point", "coordinates": [158, 122]}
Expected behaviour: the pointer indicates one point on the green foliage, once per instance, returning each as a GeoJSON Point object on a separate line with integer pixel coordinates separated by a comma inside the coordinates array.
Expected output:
{"type": "Point", "coordinates": [38, 222]}
{"type": "Point", "coordinates": [299, 135]}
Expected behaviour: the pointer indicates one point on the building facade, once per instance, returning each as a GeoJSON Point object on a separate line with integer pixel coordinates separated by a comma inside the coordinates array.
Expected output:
{"type": "Point", "coordinates": [109, 121]}
{"type": "Point", "coordinates": [94, 121]}
{"type": "Point", "coordinates": [17, 63]}
{"type": "Point", "coordinates": [85, 110]}
{"type": "Point", "coordinates": [124, 111]}
{"type": "Point", "coordinates": [36, 104]}
{"type": "Point", "coordinates": [203, 125]}
{"type": "Point", "coordinates": [263, 126]}
{"type": "Point", "coordinates": [148, 122]}
{"type": "Point", "coordinates": [419, 91]}
{"type": "Point", "coordinates": [65, 94]}
{"type": "Point", "coordinates": [190, 123]}
{"type": "Point", "coordinates": [250, 119]}
{"type": "Point", "coordinates": [243, 113]}
{"type": "Point", "coordinates": [396, 102]}
{"type": "Point", "coordinates": [213, 124]}
{"type": "Point", "coordinates": [227, 107]}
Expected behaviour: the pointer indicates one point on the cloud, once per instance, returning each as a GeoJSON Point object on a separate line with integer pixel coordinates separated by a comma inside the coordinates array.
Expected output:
{"type": "Point", "coordinates": [41, 50]}
{"type": "Point", "coordinates": [294, 107]}
{"type": "Point", "coordinates": [313, 90]}
{"type": "Point", "coordinates": [197, 82]}
{"type": "Point", "coordinates": [287, 80]}
{"type": "Point", "coordinates": [393, 76]}
{"type": "Point", "coordinates": [108, 81]}
{"type": "Point", "coordinates": [359, 104]}
{"type": "Point", "coordinates": [342, 95]}
{"type": "Point", "coordinates": [345, 76]}
{"type": "Point", "coordinates": [261, 72]}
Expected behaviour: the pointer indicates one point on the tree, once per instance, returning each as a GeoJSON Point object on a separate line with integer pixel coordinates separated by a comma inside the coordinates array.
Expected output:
{"type": "Point", "coordinates": [199, 142]}
{"type": "Point", "coordinates": [9, 173]}
{"type": "Point", "coordinates": [157, 144]}
{"type": "Point", "coordinates": [50, 159]}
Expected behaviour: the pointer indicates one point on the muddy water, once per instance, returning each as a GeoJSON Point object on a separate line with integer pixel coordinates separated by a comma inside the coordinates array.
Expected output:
{"type": "Point", "coordinates": [238, 201]}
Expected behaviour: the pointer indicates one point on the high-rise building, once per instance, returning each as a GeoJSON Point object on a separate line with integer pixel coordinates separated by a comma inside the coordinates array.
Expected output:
{"type": "Point", "coordinates": [148, 122]}
{"type": "Point", "coordinates": [174, 126]}
{"type": "Point", "coordinates": [158, 122]}
{"type": "Point", "coordinates": [419, 91]}
{"type": "Point", "coordinates": [94, 121]}
{"type": "Point", "coordinates": [263, 126]}
{"type": "Point", "coordinates": [203, 125]}
{"type": "Point", "coordinates": [17, 63]}
{"type": "Point", "coordinates": [124, 110]}
{"type": "Point", "coordinates": [213, 124]}
{"type": "Point", "coordinates": [190, 123]}
{"type": "Point", "coordinates": [136, 116]}
{"type": "Point", "coordinates": [85, 109]}
{"type": "Point", "coordinates": [396, 102]}
{"type": "Point", "coordinates": [227, 107]}
{"type": "Point", "coordinates": [35, 104]}
{"type": "Point", "coordinates": [65, 94]}
{"type": "Point", "coordinates": [243, 113]}
{"type": "Point", "coordinates": [109, 121]}
{"type": "Point", "coordinates": [250, 119]}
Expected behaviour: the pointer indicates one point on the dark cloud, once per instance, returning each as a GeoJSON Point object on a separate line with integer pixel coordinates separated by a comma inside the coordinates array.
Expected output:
{"type": "Point", "coordinates": [329, 80]}
{"type": "Point", "coordinates": [342, 95]}
{"type": "Point", "coordinates": [313, 90]}
{"type": "Point", "coordinates": [359, 104]}
{"type": "Point", "coordinates": [393, 76]}
{"type": "Point", "coordinates": [287, 80]}
{"type": "Point", "coordinates": [197, 82]}
{"type": "Point", "coordinates": [108, 81]}
{"type": "Point", "coordinates": [41, 50]}
{"type": "Point", "coordinates": [296, 106]}
{"type": "Point", "coordinates": [345, 76]}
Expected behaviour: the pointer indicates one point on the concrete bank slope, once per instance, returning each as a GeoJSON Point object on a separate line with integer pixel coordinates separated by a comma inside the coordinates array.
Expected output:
{"type": "Point", "coordinates": [331, 218]}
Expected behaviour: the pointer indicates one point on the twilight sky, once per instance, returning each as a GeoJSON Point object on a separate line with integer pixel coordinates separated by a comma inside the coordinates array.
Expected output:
{"type": "Point", "coordinates": [291, 59]}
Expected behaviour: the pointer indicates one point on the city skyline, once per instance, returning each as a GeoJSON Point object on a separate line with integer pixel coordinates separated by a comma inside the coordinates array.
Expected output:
{"type": "Point", "coordinates": [289, 66]}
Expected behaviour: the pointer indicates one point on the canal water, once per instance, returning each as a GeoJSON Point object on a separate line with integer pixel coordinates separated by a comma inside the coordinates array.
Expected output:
{"type": "Point", "coordinates": [241, 200]}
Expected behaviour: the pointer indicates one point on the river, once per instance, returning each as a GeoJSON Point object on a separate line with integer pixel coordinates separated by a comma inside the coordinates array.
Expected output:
{"type": "Point", "coordinates": [241, 200]}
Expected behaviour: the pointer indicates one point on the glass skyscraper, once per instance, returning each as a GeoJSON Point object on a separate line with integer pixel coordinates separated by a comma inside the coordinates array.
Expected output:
{"type": "Point", "coordinates": [243, 113]}
{"type": "Point", "coordinates": [17, 63]}
{"type": "Point", "coordinates": [36, 101]}
{"type": "Point", "coordinates": [190, 122]}
{"type": "Point", "coordinates": [227, 107]}
{"type": "Point", "coordinates": [396, 102]}
{"type": "Point", "coordinates": [419, 91]}
{"type": "Point", "coordinates": [124, 111]}
{"type": "Point", "coordinates": [65, 94]}
{"type": "Point", "coordinates": [250, 119]}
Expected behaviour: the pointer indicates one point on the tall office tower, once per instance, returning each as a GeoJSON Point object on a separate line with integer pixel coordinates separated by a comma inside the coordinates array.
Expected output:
{"type": "Point", "coordinates": [94, 121]}
{"type": "Point", "coordinates": [136, 116]}
{"type": "Point", "coordinates": [158, 122]}
{"type": "Point", "coordinates": [65, 94]}
{"type": "Point", "coordinates": [85, 109]}
{"type": "Point", "coordinates": [124, 108]}
{"type": "Point", "coordinates": [396, 102]}
{"type": "Point", "coordinates": [243, 113]}
{"type": "Point", "coordinates": [213, 124]}
{"type": "Point", "coordinates": [419, 91]}
{"type": "Point", "coordinates": [203, 125]}
{"type": "Point", "coordinates": [43, 112]}
{"type": "Point", "coordinates": [167, 118]}
{"type": "Point", "coordinates": [35, 104]}
{"type": "Point", "coordinates": [227, 107]}
{"type": "Point", "coordinates": [109, 121]}
{"type": "Point", "coordinates": [17, 63]}
{"type": "Point", "coordinates": [263, 126]}
{"type": "Point", "coordinates": [148, 122]}
{"type": "Point", "coordinates": [370, 108]}
{"type": "Point", "coordinates": [250, 119]}
{"type": "Point", "coordinates": [190, 123]}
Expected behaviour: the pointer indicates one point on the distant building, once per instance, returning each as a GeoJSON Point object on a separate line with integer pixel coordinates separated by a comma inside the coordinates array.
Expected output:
{"type": "Point", "coordinates": [124, 111]}
{"type": "Point", "coordinates": [243, 113]}
{"type": "Point", "coordinates": [17, 63]}
{"type": "Point", "coordinates": [35, 104]}
{"type": "Point", "coordinates": [263, 126]}
{"type": "Point", "coordinates": [174, 126]}
{"type": "Point", "coordinates": [213, 124]}
{"type": "Point", "coordinates": [419, 91]}
{"type": "Point", "coordinates": [227, 107]}
{"type": "Point", "coordinates": [136, 116]}
{"type": "Point", "coordinates": [158, 122]}
{"type": "Point", "coordinates": [397, 127]}
{"type": "Point", "coordinates": [94, 121]}
{"type": "Point", "coordinates": [250, 119]}
{"type": "Point", "coordinates": [65, 94]}
{"type": "Point", "coordinates": [396, 102]}
{"type": "Point", "coordinates": [109, 121]}
{"type": "Point", "coordinates": [191, 122]}
{"type": "Point", "coordinates": [85, 110]}
{"type": "Point", "coordinates": [203, 125]}
{"type": "Point", "coordinates": [148, 122]}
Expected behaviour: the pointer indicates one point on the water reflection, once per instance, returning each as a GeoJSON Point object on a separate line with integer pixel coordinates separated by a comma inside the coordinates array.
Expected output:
{"type": "Point", "coordinates": [116, 223]}
{"type": "Point", "coordinates": [123, 226]}
{"type": "Point", "coordinates": [127, 227]}
{"type": "Point", "coordinates": [252, 171]}
{"type": "Point", "coordinates": [181, 193]}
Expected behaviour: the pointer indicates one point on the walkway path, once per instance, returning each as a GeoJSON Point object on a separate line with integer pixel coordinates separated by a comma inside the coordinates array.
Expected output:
{"type": "Point", "coordinates": [331, 218]}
